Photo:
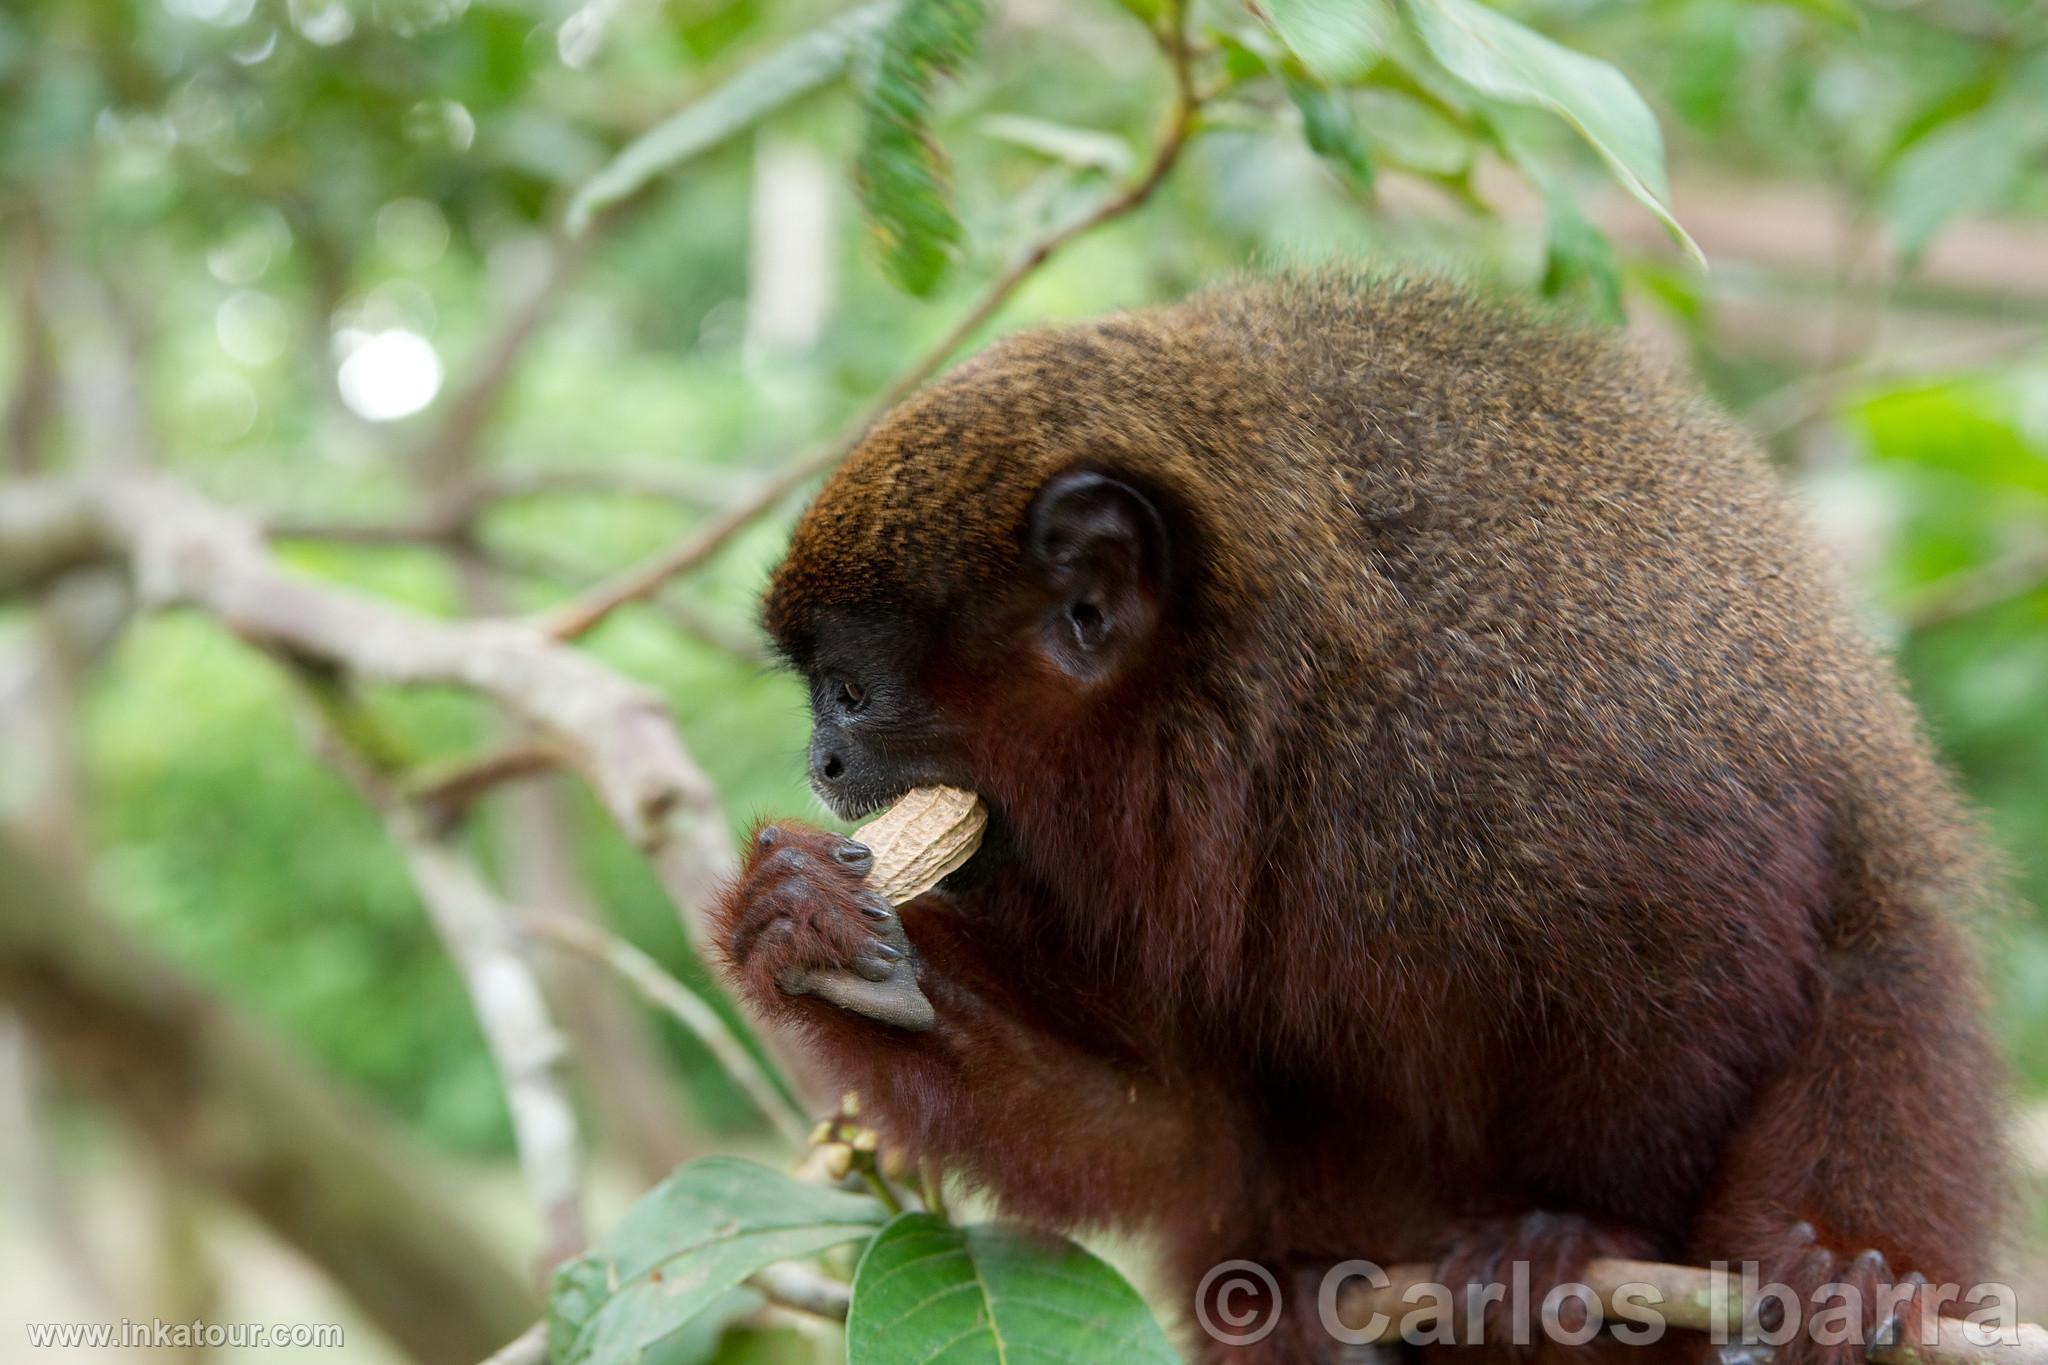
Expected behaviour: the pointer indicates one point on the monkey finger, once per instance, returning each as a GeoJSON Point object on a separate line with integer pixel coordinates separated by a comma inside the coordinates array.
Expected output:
{"type": "Point", "coordinates": [1908, 1312]}
{"type": "Point", "coordinates": [879, 963]}
{"type": "Point", "coordinates": [856, 857]}
{"type": "Point", "coordinates": [884, 923]}
{"type": "Point", "coordinates": [763, 926]}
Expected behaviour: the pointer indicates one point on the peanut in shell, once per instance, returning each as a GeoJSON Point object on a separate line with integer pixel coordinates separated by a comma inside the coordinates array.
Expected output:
{"type": "Point", "coordinates": [929, 833]}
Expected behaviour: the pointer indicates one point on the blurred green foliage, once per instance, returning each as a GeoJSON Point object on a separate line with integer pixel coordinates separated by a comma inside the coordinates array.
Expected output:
{"type": "Point", "coordinates": [241, 195]}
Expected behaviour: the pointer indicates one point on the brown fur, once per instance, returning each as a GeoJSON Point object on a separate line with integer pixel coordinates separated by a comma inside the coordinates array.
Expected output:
{"type": "Point", "coordinates": [1509, 818]}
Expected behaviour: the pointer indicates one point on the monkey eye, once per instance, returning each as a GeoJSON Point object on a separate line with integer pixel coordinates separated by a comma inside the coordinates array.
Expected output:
{"type": "Point", "coordinates": [852, 696]}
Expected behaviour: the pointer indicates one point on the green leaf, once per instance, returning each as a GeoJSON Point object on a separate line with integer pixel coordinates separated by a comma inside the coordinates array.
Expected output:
{"type": "Point", "coordinates": [1499, 57]}
{"type": "Point", "coordinates": [1842, 12]}
{"type": "Point", "coordinates": [1970, 426]}
{"type": "Point", "coordinates": [1337, 40]}
{"type": "Point", "coordinates": [1704, 89]}
{"type": "Point", "coordinates": [1966, 166]}
{"type": "Point", "coordinates": [1248, 53]}
{"type": "Point", "coordinates": [1330, 127]}
{"type": "Point", "coordinates": [926, 1288]}
{"type": "Point", "coordinates": [902, 172]}
{"type": "Point", "coordinates": [703, 1336]}
{"type": "Point", "coordinates": [1083, 148]}
{"type": "Point", "coordinates": [1412, 134]}
{"type": "Point", "coordinates": [774, 82]}
{"type": "Point", "coordinates": [1578, 260]}
{"type": "Point", "coordinates": [679, 1252]}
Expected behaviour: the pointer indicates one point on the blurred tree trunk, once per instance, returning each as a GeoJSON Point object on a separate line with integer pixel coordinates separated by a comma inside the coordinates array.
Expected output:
{"type": "Point", "coordinates": [225, 1106]}
{"type": "Point", "coordinates": [630, 1085]}
{"type": "Point", "coordinates": [28, 1164]}
{"type": "Point", "coordinates": [184, 1278]}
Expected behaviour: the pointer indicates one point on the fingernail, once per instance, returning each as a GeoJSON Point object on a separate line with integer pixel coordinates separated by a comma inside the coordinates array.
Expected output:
{"type": "Point", "coordinates": [874, 907]}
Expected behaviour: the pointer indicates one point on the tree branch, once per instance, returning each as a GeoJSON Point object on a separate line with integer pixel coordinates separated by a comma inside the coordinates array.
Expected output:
{"type": "Point", "coordinates": [669, 995]}
{"type": "Point", "coordinates": [219, 1100]}
{"type": "Point", "coordinates": [1815, 395]}
{"type": "Point", "coordinates": [186, 551]}
{"type": "Point", "coordinates": [446, 794]}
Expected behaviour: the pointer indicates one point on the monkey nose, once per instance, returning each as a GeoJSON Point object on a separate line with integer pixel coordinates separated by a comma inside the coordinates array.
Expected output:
{"type": "Point", "coordinates": [833, 769]}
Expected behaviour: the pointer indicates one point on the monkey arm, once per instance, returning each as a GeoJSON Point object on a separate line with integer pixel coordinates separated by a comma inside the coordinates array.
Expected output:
{"type": "Point", "coordinates": [1876, 1137]}
{"type": "Point", "coordinates": [1019, 1079]}
{"type": "Point", "coordinates": [1061, 1130]}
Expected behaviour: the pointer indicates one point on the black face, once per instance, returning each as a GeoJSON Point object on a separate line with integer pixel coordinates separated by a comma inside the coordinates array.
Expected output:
{"type": "Point", "coordinates": [1080, 614]}
{"type": "Point", "coordinates": [875, 733]}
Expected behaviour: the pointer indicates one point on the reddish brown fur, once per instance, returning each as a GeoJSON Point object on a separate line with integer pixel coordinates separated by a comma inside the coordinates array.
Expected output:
{"type": "Point", "coordinates": [1508, 820]}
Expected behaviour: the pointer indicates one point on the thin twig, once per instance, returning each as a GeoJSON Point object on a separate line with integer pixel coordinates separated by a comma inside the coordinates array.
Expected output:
{"type": "Point", "coordinates": [578, 617]}
{"type": "Point", "coordinates": [931, 1185]}
{"type": "Point", "coordinates": [882, 1191]}
{"type": "Point", "coordinates": [446, 793]}
{"type": "Point", "coordinates": [635, 584]}
{"type": "Point", "coordinates": [747, 644]}
{"type": "Point", "coordinates": [1975, 590]}
{"type": "Point", "coordinates": [787, 1284]}
{"type": "Point", "coordinates": [30, 400]}
{"type": "Point", "coordinates": [1815, 395]}
{"type": "Point", "coordinates": [528, 1348]}
{"type": "Point", "coordinates": [476, 927]}
{"type": "Point", "coordinates": [679, 483]}
{"type": "Point", "coordinates": [793, 1284]}
{"type": "Point", "coordinates": [615, 1044]}
{"type": "Point", "coordinates": [666, 993]}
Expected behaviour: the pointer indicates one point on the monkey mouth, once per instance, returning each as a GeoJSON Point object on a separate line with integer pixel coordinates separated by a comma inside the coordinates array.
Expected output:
{"type": "Point", "coordinates": [857, 805]}
{"type": "Point", "coordinates": [995, 844]}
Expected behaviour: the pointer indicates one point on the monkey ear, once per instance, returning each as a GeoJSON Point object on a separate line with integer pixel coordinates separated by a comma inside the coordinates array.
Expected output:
{"type": "Point", "coordinates": [1098, 547]}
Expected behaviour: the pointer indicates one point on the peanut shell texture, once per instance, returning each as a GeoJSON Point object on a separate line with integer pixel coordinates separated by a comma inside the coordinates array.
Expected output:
{"type": "Point", "coordinates": [927, 835]}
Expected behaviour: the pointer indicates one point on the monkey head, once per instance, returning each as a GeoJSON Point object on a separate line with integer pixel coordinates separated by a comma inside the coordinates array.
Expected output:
{"type": "Point", "coordinates": [997, 564]}
{"type": "Point", "coordinates": [1084, 575]}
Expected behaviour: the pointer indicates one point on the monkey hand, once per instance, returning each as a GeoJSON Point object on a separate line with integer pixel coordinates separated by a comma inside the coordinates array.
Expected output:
{"type": "Point", "coordinates": [802, 922]}
{"type": "Point", "coordinates": [1540, 1250]}
{"type": "Point", "coordinates": [1842, 1304]}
